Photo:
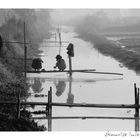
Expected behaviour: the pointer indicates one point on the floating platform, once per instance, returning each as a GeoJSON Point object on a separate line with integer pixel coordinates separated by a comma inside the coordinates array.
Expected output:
{"type": "Point", "coordinates": [68, 71]}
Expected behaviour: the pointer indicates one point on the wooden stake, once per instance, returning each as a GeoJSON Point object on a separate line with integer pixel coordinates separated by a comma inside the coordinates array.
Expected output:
{"type": "Point", "coordinates": [50, 109]}
{"type": "Point", "coordinates": [137, 111]}
{"type": "Point", "coordinates": [138, 103]}
{"type": "Point", "coordinates": [18, 106]}
{"type": "Point", "coordinates": [25, 52]}
{"type": "Point", "coordinates": [60, 43]}
{"type": "Point", "coordinates": [135, 94]}
{"type": "Point", "coordinates": [87, 117]}
{"type": "Point", "coordinates": [50, 100]}
{"type": "Point", "coordinates": [70, 66]}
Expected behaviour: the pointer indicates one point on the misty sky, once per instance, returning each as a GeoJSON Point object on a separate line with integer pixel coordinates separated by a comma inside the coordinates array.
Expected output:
{"type": "Point", "coordinates": [61, 15]}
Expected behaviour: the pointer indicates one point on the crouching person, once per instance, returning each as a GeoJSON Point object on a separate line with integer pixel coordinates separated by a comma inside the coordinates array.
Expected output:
{"type": "Point", "coordinates": [37, 64]}
{"type": "Point", "coordinates": [60, 64]}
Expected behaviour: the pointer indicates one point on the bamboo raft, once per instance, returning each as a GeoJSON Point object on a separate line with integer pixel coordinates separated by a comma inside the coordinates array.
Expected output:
{"type": "Point", "coordinates": [68, 71]}
{"type": "Point", "coordinates": [88, 117]}
{"type": "Point", "coordinates": [73, 105]}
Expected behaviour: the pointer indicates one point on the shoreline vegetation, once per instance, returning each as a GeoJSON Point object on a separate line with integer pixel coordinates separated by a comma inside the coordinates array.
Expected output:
{"type": "Point", "coordinates": [125, 56]}
{"type": "Point", "coordinates": [12, 80]}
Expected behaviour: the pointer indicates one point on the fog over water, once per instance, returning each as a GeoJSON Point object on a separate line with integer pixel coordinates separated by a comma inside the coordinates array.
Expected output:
{"type": "Point", "coordinates": [63, 15]}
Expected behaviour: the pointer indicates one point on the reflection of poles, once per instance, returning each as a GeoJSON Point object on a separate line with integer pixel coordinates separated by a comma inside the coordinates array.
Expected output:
{"type": "Point", "coordinates": [136, 123]}
{"type": "Point", "coordinates": [50, 109]}
{"type": "Point", "coordinates": [70, 98]}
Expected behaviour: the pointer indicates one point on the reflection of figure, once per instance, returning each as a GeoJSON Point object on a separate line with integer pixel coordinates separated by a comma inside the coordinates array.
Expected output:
{"type": "Point", "coordinates": [60, 87]}
{"type": "Point", "coordinates": [37, 86]}
{"type": "Point", "coordinates": [70, 98]}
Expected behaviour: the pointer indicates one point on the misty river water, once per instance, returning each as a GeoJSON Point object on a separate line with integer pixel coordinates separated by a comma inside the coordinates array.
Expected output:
{"type": "Point", "coordinates": [84, 88]}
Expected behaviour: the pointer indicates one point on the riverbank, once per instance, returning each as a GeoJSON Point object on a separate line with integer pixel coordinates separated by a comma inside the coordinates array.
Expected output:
{"type": "Point", "coordinates": [12, 80]}
{"type": "Point", "coordinates": [128, 58]}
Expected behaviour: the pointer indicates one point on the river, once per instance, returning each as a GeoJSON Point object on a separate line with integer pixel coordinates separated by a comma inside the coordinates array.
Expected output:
{"type": "Point", "coordinates": [84, 88]}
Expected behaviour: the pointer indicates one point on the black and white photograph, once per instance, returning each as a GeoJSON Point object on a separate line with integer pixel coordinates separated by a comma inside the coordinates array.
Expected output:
{"type": "Point", "coordinates": [69, 69]}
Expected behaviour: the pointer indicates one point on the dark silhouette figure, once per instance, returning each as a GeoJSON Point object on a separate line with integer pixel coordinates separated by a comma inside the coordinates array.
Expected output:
{"type": "Point", "coordinates": [70, 49]}
{"type": "Point", "coordinates": [37, 86]}
{"type": "Point", "coordinates": [37, 64]}
{"type": "Point", "coordinates": [60, 88]}
{"type": "Point", "coordinates": [60, 64]}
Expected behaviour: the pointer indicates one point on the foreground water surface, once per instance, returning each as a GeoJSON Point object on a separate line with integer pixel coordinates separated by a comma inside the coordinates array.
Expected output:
{"type": "Point", "coordinates": [84, 88]}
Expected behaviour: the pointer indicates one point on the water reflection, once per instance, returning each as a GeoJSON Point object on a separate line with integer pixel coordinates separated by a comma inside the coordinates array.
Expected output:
{"type": "Point", "coordinates": [136, 123]}
{"type": "Point", "coordinates": [107, 88]}
{"type": "Point", "coordinates": [60, 87]}
{"type": "Point", "coordinates": [136, 120]}
{"type": "Point", "coordinates": [37, 85]}
{"type": "Point", "coordinates": [70, 98]}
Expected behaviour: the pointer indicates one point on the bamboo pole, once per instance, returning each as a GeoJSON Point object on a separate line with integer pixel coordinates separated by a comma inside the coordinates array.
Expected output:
{"type": "Point", "coordinates": [96, 72]}
{"type": "Point", "coordinates": [18, 106]}
{"type": "Point", "coordinates": [48, 102]}
{"type": "Point", "coordinates": [135, 96]}
{"type": "Point", "coordinates": [25, 52]}
{"type": "Point", "coordinates": [50, 110]}
{"type": "Point", "coordinates": [137, 124]}
{"type": "Point", "coordinates": [60, 43]}
{"type": "Point", "coordinates": [70, 66]}
{"type": "Point", "coordinates": [53, 71]}
{"type": "Point", "coordinates": [136, 93]}
{"type": "Point", "coordinates": [137, 108]}
{"type": "Point", "coordinates": [96, 105]}
{"type": "Point", "coordinates": [74, 104]}
{"type": "Point", "coordinates": [87, 117]}
{"type": "Point", "coordinates": [70, 71]}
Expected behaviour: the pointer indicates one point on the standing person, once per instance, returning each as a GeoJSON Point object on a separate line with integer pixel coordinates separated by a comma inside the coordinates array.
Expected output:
{"type": "Point", "coordinates": [60, 63]}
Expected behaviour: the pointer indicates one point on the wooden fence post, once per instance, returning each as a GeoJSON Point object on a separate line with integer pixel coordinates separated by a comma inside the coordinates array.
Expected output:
{"type": "Point", "coordinates": [136, 90]}
{"type": "Point", "coordinates": [25, 52]}
{"type": "Point", "coordinates": [18, 106]}
{"type": "Point", "coordinates": [137, 111]}
{"type": "Point", "coordinates": [135, 94]}
{"type": "Point", "coordinates": [138, 102]}
{"type": "Point", "coordinates": [70, 66]}
{"type": "Point", "coordinates": [50, 109]}
{"type": "Point", "coordinates": [50, 100]}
